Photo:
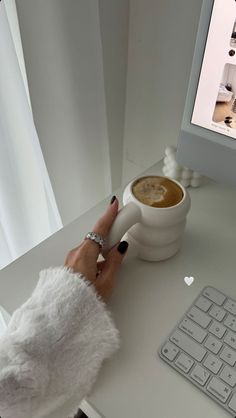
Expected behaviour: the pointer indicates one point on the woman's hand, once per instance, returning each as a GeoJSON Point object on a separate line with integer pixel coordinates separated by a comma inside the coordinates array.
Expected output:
{"type": "Point", "coordinates": [83, 259]}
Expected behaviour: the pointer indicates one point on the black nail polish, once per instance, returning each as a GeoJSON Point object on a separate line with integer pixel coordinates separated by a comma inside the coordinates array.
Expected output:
{"type": "Point", "coordinates": [122, 247]}
{"type": "Point", "coordinates": [112, 200]}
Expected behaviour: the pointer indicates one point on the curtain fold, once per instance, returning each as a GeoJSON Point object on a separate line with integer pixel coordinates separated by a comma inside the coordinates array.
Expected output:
{"type": "Point", "coordinates": [28, 210]}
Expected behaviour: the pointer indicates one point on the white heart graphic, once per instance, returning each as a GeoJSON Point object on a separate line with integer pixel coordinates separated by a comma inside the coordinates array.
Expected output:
{"type": "Point", "coordinates": [189, 280]}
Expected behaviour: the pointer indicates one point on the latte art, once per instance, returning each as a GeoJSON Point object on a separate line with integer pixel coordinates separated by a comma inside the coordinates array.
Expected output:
{"type": "Point", "coordinates": [157, 191]}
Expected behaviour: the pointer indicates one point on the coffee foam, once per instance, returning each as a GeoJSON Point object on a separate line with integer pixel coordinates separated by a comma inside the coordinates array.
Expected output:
{"type": "Point", "coordinates": [157, 191]}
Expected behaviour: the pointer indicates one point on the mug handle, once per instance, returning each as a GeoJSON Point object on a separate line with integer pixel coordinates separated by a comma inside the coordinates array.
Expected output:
{"type": "Point", "coordinates": [129, 215]}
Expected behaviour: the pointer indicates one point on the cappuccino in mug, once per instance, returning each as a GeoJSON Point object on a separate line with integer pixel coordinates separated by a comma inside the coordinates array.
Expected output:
{"type": "Point", "coordinates": [156, 191]}
{"type": "Point", "coordinates": [153, 217]}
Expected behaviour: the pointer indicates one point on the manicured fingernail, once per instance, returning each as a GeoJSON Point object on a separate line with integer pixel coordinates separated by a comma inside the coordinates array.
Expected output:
{"type": "Point", "coordinates": [122, 247]}
{"type": "Point", "coordinates": [112, 200]}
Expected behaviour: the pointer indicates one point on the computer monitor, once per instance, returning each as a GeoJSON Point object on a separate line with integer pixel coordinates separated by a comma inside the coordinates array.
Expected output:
{"type": "Point", "coordinates": [207, 141]}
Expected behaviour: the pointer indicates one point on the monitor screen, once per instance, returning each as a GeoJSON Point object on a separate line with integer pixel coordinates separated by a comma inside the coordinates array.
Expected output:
{"type": "Point", "coordinates": [207, 139]}
{"type": "Point", "coordinates": [215, 101]}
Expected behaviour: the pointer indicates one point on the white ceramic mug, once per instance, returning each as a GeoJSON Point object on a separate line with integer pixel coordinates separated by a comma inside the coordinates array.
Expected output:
{"type": "Point", "coordinates": [155, 232]}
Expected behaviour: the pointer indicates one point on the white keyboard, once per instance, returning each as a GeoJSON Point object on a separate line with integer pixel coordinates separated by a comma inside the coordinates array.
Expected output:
{"type": "Point", "coordinates": [202, 347]}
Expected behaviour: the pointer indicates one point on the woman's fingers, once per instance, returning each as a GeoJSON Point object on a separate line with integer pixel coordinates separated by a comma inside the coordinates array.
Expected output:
{"type": "Point", "coordinates": [83, 259]}
{"type": "Point", "coordinates": [105, 280]}
{"type": "Point", "coordinates": [102, 227]}
{"type": "Point", "coordinates": [104, 223]}
{"type": "Point", "coordinates": [100, 266]}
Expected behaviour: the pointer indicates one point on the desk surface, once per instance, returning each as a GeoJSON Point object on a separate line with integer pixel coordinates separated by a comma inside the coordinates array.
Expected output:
{"type": "Point", "coordinates": [148, 300]}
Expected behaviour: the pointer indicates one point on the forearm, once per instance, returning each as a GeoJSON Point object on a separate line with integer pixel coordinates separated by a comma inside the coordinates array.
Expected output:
{"type": "Point", "coordinates": [54, 345]}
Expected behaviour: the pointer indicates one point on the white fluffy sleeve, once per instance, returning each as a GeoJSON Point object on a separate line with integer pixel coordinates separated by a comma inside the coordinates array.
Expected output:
{"type": "Point", "coordinates": [54, 345]}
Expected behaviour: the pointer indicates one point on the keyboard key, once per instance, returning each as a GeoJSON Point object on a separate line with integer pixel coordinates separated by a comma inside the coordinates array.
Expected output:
{"type": "Point", "coordinates": [203, 303]}
{"type": "Point", "coordinates": [230, 306]}
{"type": "Point", "coordinates": [214, 295]}
{"type": "Point", "coordinates": [213, 363]}
{"type": "Point", "coordinates": [199, 374]}
{"type": "Point", "coordinates": [218, 389]}
{"type": "Point", "coordinates": [187, 344]}
{"type": "Point", "coordinates": [193, 330]}
{"type": "Point", "coordinates": [217, 329]}
{"type": "Point", "coordinates": [199, 317]}
{"type": "Point", "coordinates": [228, 355]}
{"type": "Point", "coordinates": [184, 362]}
{"type": "Point", "coordinates": [232, 403]}
{"type": "Point", "coordinates": [228, 375]}
{"type": "Point", "coordinates": [217, 312]}
{"type": "Point", "coordinates": [230, 339]}
{"type": "Point", "coordinates": [213, 344]}
{"type": "Point", "coordinates": [170, 351]}
{"type": "Point", "coordinates": [230, 322]}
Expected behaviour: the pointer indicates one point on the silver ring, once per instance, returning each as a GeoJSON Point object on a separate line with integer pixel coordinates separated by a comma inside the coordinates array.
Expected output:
{"type": "Point", "coordinates": [96, 238]}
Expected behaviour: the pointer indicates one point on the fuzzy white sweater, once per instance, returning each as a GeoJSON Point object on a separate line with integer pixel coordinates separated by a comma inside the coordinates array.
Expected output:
{"type": "Point", "coordinates": [54, 346]}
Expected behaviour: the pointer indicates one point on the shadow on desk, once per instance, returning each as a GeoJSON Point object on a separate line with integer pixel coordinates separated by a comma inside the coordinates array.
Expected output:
{"type": "Point", "coordinates": [80, 414]}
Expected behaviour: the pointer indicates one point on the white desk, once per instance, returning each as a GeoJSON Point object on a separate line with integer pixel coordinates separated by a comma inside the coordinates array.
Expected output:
{"type": "Point", "coordinates": [147, 302]}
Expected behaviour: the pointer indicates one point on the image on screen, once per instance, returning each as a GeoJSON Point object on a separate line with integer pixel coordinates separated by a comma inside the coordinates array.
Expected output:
{"type": "Point", "coordinates": [215, 102]}
{"type": "Point", "coordinates": [225, 106]}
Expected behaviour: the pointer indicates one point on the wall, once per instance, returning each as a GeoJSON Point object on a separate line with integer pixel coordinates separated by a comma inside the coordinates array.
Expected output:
{"type": "Point", "coordinates": [161, 43]}
{"type": "Point", "coordinates": [64, 57]}
{"type": "Point", "coordinates": [160, 40]}
{"type": "Point", "coordinates": [225, 76]}
{"type": "Point", "coordinates": [114, 23]}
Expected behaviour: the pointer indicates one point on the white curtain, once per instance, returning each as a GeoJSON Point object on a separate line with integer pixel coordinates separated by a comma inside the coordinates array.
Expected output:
{"type": "Point", "coordinates": [28, 210]}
